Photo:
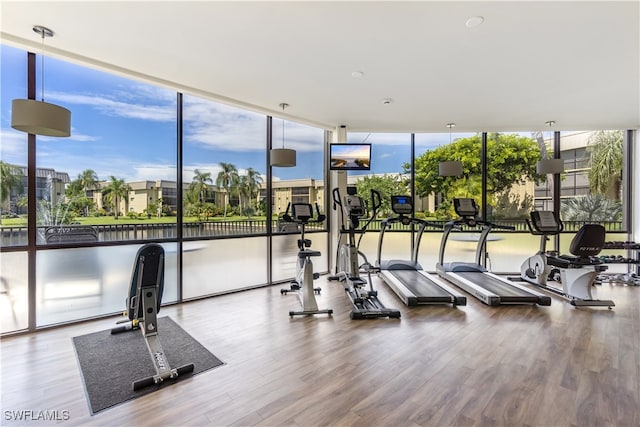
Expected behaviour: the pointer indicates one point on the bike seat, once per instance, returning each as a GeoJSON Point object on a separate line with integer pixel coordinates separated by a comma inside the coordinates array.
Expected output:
{"type": "Point", "coordinates": [568, 261]}
{"type": "Point", "coordinates": [308, 253]}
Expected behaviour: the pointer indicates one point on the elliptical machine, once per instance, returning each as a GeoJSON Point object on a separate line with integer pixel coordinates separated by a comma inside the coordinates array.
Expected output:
{"type": "Point", "coordinates": [143, 304]}
{"type": "Point", "coordinates": [366, 304]}
{"type": "Point", "coordinates": [576, 274]}
{"type": "Point", "coordinates": [302, 214]}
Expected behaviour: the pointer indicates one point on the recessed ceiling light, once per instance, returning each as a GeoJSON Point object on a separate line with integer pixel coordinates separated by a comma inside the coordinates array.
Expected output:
{"type": "Point", "coordinates": [357, 74]}
{"type": "Point", "coordinates": [474, 21]}
{"type": "Point", "coordinates": [386, 101]}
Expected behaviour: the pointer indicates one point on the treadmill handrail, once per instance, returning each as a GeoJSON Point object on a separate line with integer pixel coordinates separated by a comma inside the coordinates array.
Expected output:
{"type": "Point", "coordinates": [486, 227]}
{"type": "Point", "coordinates": [416, 243]}
{"type": "Point", "coordinates": [406, 220]}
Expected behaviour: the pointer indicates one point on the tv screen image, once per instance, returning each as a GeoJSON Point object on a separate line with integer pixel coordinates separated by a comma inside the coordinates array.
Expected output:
{"type": "Point", "coordinates": [350, 157]}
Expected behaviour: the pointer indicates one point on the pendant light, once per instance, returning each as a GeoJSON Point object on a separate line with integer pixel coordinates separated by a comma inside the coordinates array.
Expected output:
{"type": "Point", "coordinates": [39, 117]}
{"type": "Point", "coordinates": [283, 157]}
{"type": "Point", "coordinates": [546, 165]}
{"type": "Point", "coordinates": [450, 167]}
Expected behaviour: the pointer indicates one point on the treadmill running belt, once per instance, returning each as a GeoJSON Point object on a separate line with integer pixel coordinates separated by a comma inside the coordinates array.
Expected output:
{"type": "Point", "coordinates": [503, 290]}
{"type": "Point", "coordinates": [421, 286]}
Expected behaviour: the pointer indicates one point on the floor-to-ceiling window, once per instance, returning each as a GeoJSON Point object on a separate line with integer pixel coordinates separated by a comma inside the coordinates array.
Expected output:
{"type": "Point", "coordinates": [303, 183]}
{"type": "Point", "coordinates": [223, 172]}
{"type": "Point", "coordinates": [434, 193]}
{"type": "Point", "coordinates": [593, 188]}
{"type": "Point", "coordinates": [113, 185]}
{"type": "Point", "coordinates": [389, 175]}
{"type": "Point", "coordinates": [511, 195]}
{"type": "Point", "coordinates": [13, 195]}
{"type": "Point", "coordinates": [110, 181]}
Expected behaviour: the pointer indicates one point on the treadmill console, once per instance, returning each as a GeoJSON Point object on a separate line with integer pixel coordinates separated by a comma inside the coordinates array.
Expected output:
{"type": "Point", "coordinates": [465, 207]}
{"type": "Point", "coordinates": [402, 205]}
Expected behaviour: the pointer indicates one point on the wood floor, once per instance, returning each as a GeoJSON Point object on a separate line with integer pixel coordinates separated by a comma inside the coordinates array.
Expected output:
{"type": "Point", "coordinates": [436, 366]}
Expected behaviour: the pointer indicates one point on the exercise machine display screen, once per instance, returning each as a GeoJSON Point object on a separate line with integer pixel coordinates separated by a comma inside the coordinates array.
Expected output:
{"type": "Point", "coordinates": [465, 207]}
{"type": "Point", "coordinates": [354, 206]}
{"type": "Point", "coordinates": [402, 205]}
{"type": "Point", "coordinates": [545, 221]}
{"type": "Point", "coordinates": [301, 210]}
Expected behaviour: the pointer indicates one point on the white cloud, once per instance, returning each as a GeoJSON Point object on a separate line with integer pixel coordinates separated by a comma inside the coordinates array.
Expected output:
{"type": "Point", "coordinates": [220, 127]}
{"type": "Point", "coordinates": [111, 107]}
{"type": "Point", "coordinates": [207, 124]}
{"type": "Point", "coordinates": [154, 172]}
{"type": "Point", "coordinates": [13, 147]}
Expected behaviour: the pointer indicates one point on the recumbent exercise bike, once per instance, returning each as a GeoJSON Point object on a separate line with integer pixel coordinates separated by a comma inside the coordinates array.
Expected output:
{"type": "Point", "coordinates": [576, 273]}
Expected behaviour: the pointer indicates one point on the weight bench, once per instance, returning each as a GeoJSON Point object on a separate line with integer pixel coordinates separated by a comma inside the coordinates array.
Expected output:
{"type": "Point", "coordinates": [143, 305]}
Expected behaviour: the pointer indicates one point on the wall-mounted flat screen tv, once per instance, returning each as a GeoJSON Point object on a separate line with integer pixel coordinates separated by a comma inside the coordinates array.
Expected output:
{"type": "Point", "coordinates": [353, 157]}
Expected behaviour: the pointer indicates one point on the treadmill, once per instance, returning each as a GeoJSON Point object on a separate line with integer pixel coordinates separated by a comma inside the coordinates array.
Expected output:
{"type": "Point", "coordinates": [476, 280]}
{"type": "Point", "coordinates": [406, 278]}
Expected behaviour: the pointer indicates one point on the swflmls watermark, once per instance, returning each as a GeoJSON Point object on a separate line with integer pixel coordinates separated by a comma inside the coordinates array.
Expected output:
{"type": "Point", "coordinates": [36, 415]}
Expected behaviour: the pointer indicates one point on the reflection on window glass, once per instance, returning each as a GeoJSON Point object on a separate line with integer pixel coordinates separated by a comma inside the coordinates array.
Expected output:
{"type": "Point", "coordinates": [77, 283]}
{"type": "Point", "coordinates": [223, 265]}
{"type": "Point", "coordinates": [223, 169]}
{"type": "Point", "coordinates": [13, 150]}
{"type": "Point", "coordinates": [13, 291]}
{"type": "Point", "coordinates": [117, 170]}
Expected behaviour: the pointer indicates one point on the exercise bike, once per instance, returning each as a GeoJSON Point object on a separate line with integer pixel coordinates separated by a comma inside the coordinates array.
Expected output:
{"type": "Point", "coordinates": [575, 273]}
{"type": "Point", "coordinates": [302, 214]}
{"type": "Point", "coordinates": [366, 304]}
{"type": "Point", "coordinates": [143, 304]}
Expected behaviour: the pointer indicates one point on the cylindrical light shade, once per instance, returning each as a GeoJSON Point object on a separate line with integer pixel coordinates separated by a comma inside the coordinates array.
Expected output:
{"type": "Point", "coordinates": [450, 168]}
{"type": "Point", "coordinates": [283, 157]}
{"type": "Point", "coordinates": [550, 166]}
{"type": "Point", "coordinates": [40, 118]}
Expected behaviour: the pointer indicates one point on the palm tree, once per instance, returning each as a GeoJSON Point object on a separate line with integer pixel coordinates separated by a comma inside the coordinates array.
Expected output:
{"type": "Point", "coordinates": [244, 194]}
{"type": "Point", "coordinates": [10, 179]}
{"type": "Point", "coordinates": [254, 179]}
{"type": "Point", "coordinates": [199, 183]}
{"type": "Point", "coordinates": [116, 190]}
{"type": "Point", "coordinates": [226, 178]}
{"type": "Point", "coordinates": [605, 162]}
{"type": "Point", "coordinates": [88, 180]}
{"type": "Point", "coordinates": [592, 207]}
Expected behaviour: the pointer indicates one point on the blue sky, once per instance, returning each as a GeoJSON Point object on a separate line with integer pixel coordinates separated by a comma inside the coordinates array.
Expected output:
{"type": "Point", "coordinates": [127, 129]}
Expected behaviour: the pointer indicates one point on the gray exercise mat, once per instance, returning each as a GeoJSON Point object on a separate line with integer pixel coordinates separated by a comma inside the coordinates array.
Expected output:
{"type": "Point", "coordinates": [110, 363]}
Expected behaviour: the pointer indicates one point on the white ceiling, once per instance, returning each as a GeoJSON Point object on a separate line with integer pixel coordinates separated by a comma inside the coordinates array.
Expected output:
{"type": "Point", "coordinates": [573, 62]}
